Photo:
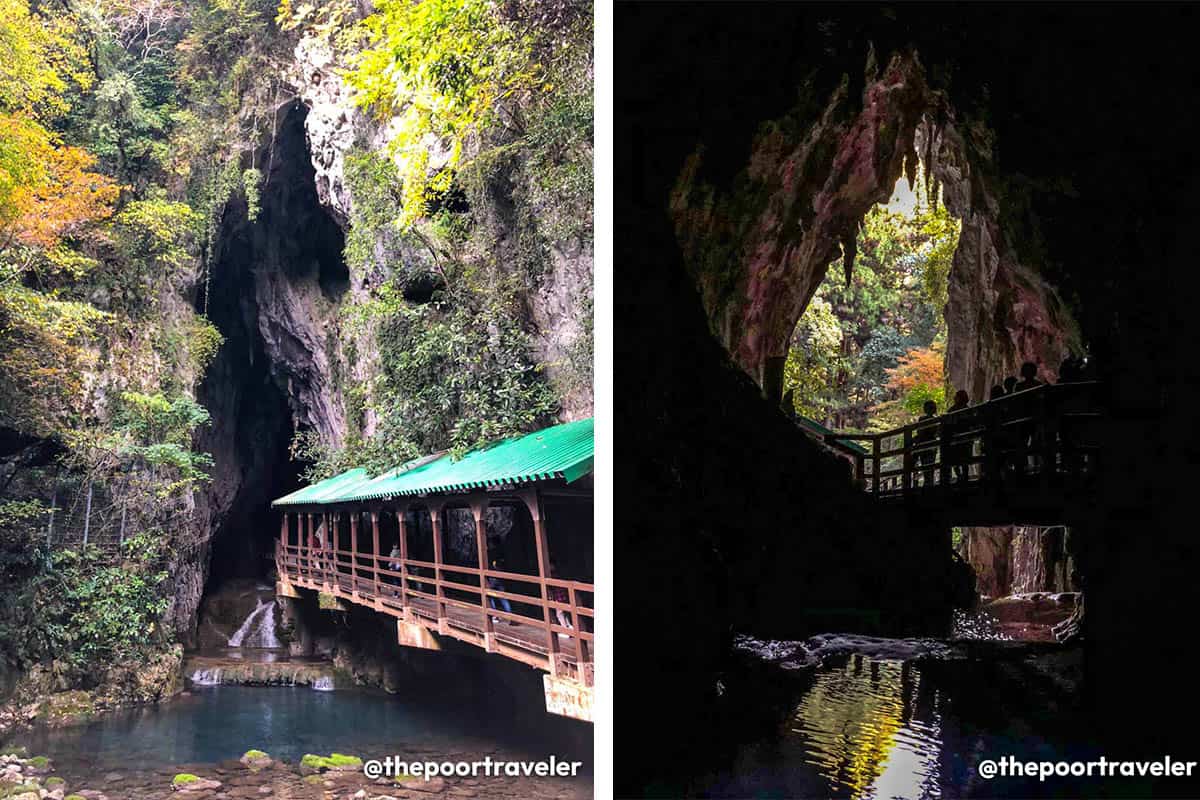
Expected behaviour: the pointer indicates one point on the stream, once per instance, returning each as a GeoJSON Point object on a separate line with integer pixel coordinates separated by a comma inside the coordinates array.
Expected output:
{"type": "Point", "coordinates": [911, 719]}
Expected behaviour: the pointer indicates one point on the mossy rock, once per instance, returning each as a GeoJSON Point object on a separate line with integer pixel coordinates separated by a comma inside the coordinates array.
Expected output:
{"type": "Point", "coordinates": [18, 750]}
{"type": "Point", "coordinates": [184, 778]}
{"type": "Point", "coordinates": [67, 708]}
{"type": "Point", "coordinates": [334, 761]}
{"type": "Point", "coordinates": [340, 760]}
{"type": "Point", "coordinates": [39, 762]}
{"type": "Point", "coordinates": [53, 781]}
{"type": "Point", "coordinates": [314, 779]}
{"type": "Point", "coordinates": [20, 789]}
{"type": "Point", "coordinates": [74, 797]}
{"type": "Point", "coordinates": [255, 760]}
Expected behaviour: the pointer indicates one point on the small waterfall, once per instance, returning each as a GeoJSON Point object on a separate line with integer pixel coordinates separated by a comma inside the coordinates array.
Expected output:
{"type": "Point", "coordinates": [323, 684]}
{"type": "Point", "coordinates": [258, 629]}
{"type": "Point", "coordinates": [207, 677]}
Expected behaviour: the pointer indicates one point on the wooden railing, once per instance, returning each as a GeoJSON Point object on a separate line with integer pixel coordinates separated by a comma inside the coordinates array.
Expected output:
{"type": "Point", "coordinates": [550, 624]}
{"type": "Point", "coordinates": [1046, 436]}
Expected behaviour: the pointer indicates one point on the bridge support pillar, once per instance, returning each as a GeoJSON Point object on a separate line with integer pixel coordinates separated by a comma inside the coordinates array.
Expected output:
{"type": "Point", "coordinates": [568, 698]}
{"type": "Point", "coordinates": [412, 634]}
{"type": "Point", "coordinates": [284, 588]}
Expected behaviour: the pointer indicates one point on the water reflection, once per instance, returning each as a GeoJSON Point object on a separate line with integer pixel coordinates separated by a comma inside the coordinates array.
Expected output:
{"type": "Point", "coordinates": [879, 728]}
{"type": "Point", "coordinates": [863, 728]}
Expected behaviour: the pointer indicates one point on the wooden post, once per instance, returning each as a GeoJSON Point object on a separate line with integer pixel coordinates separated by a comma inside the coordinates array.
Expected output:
{"type": "Point", "coordinates": [354, 551]}
{"type": "Point", "coordinates": [375, 550]}
{"type": "Point", "coordinates": [580, 643]}
{"type": "Point", "coordinates": [478, 508]}
{"type": "Point", "coordinates": [943, 460]}
{"type": "Point", "coordinates": [906, 461]}
{"type": "Point", "coordinates": [875, 465]}
{"type": "Point", "coordinates": [543, 556]}
{"type": "Point", "coordinates": [308, 562]}
{"type": "Point", "coordinates": [402, 521]}
{"type": "Point", "coordinates": [327, 548]}
{"type": "Point", "coordinates": [281, 551]}
{"type": "Point", "coordinates": [435, 515]}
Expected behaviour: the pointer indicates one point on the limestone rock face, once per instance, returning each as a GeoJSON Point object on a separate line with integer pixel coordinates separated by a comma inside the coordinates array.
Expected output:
{"type": "Point", "coordinates": [1019, 560]}
{"type": "Point", "coordinates": [556, 305]}
{"type": "Point", "coordinates": [330, 122]}
{"type": "Point", "coordinates": [1000, 312]}
{"type": "Point", "coordinates": [759, 251]}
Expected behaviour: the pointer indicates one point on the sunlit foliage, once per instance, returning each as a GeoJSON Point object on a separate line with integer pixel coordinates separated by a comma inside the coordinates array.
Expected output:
{"type": "Point", "coordinates": [856, 346]}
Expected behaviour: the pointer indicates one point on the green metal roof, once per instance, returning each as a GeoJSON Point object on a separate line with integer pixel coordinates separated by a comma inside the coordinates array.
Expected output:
{"type": "Point", "coordinates": [815, 427]}
{"type": "Point", "coordinates": [563, 451]}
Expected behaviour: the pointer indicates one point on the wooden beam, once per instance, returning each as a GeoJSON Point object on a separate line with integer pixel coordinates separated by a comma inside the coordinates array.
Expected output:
{"type": "Point", "coordinates": [532, 501]}
{"type": "Point", "coordinates": [435, 516]}
{"type": "Point", "coordinates": [375, 551]}
{"type": "Point", "coordinates": [479, 504]}
{"type": "Point", "coordinates": [354, 552]}
{"type": "Point", "coordinates": [402, 522]}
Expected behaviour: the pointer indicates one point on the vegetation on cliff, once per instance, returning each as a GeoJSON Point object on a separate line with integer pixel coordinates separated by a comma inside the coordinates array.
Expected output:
{"type": "Point", "coordinates": [459, 243]}
{"type": "Point", "coordinates": [126, 127]}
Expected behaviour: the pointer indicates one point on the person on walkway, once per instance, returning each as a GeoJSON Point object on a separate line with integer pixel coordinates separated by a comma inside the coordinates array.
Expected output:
{"type": "Point", "coordinates": [559, 595]}
{"type": "Point", "coordinates": [996, 393]}
{"type": "Point", "coordinates": [959, 452]}
{"type": "Point", "coordinates": [1010, 384]}
{"type": "Point", "coordinates": [394, 565]}
{"type": "Point", "coordinates": [926, 457]}
{"type": "Point", "coordinates": [1070, 369]}
{"type": "Point", "coordinates": [319, 560]}
{"type": "Point", "coordinates": [1027, 431]}
{"type": "Point", "coordinates": [499, 603]}
{"type": "Point", "coordinates": [1029, 379]}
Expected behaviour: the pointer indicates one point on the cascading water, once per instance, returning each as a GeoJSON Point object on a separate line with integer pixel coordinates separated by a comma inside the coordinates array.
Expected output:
{"type": "Point", "coordinates": [207, 677]}
{"type": "Point", "coordinates": [258, 630]}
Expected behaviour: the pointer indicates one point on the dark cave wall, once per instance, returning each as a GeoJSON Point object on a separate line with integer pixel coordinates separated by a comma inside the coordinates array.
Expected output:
{"type": "Point", "coordinates": [274, 286]}
{"type": "Point", "coordinates": [1092, 169]}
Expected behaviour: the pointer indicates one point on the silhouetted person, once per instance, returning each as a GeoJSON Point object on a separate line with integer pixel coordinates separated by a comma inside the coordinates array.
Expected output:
{"type": "Point", "coordinates": [926, 457]}
{"type": "Point", "coordinates": [1027, 429]}
{"type": "Point", "coordinates": [1070, 369]}
{"type": "Point", "coordinates": [997, 392]}
{"type": "Point", "coordinates": [1029, 379]}
{"type": "Point", "coordinates": [1009, 384]}
{"type": "Point", "coordinates": [959, 452]}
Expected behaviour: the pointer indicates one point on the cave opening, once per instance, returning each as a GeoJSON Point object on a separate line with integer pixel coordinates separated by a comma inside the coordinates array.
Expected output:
{"type": "Point", "coordinates": [869, 350]}
{"type": "Point", "coordinates": [290, 243]}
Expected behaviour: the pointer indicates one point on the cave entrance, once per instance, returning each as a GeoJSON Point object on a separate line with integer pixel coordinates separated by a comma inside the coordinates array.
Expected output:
{"type": "Point", "coordinates": [1026, 581]}
{"type": "Point", "coordinates": [288, 250]}
{"type": "Point", "coordinates": [869, 350]}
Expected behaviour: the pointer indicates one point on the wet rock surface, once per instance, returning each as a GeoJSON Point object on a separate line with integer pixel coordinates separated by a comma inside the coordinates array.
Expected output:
{"type": "Point", "coordinates": [264, 777]}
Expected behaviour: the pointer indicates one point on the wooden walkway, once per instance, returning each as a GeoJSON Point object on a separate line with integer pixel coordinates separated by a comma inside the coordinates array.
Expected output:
{"type": "Point", "coordinates": [1021, 459]}
{"type": "Point", "coordinates": [548, 634]}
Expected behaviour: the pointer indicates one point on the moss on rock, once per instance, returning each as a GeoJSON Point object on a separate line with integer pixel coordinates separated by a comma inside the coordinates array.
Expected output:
{"type": "Point", "coordinates": [184, 778]}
